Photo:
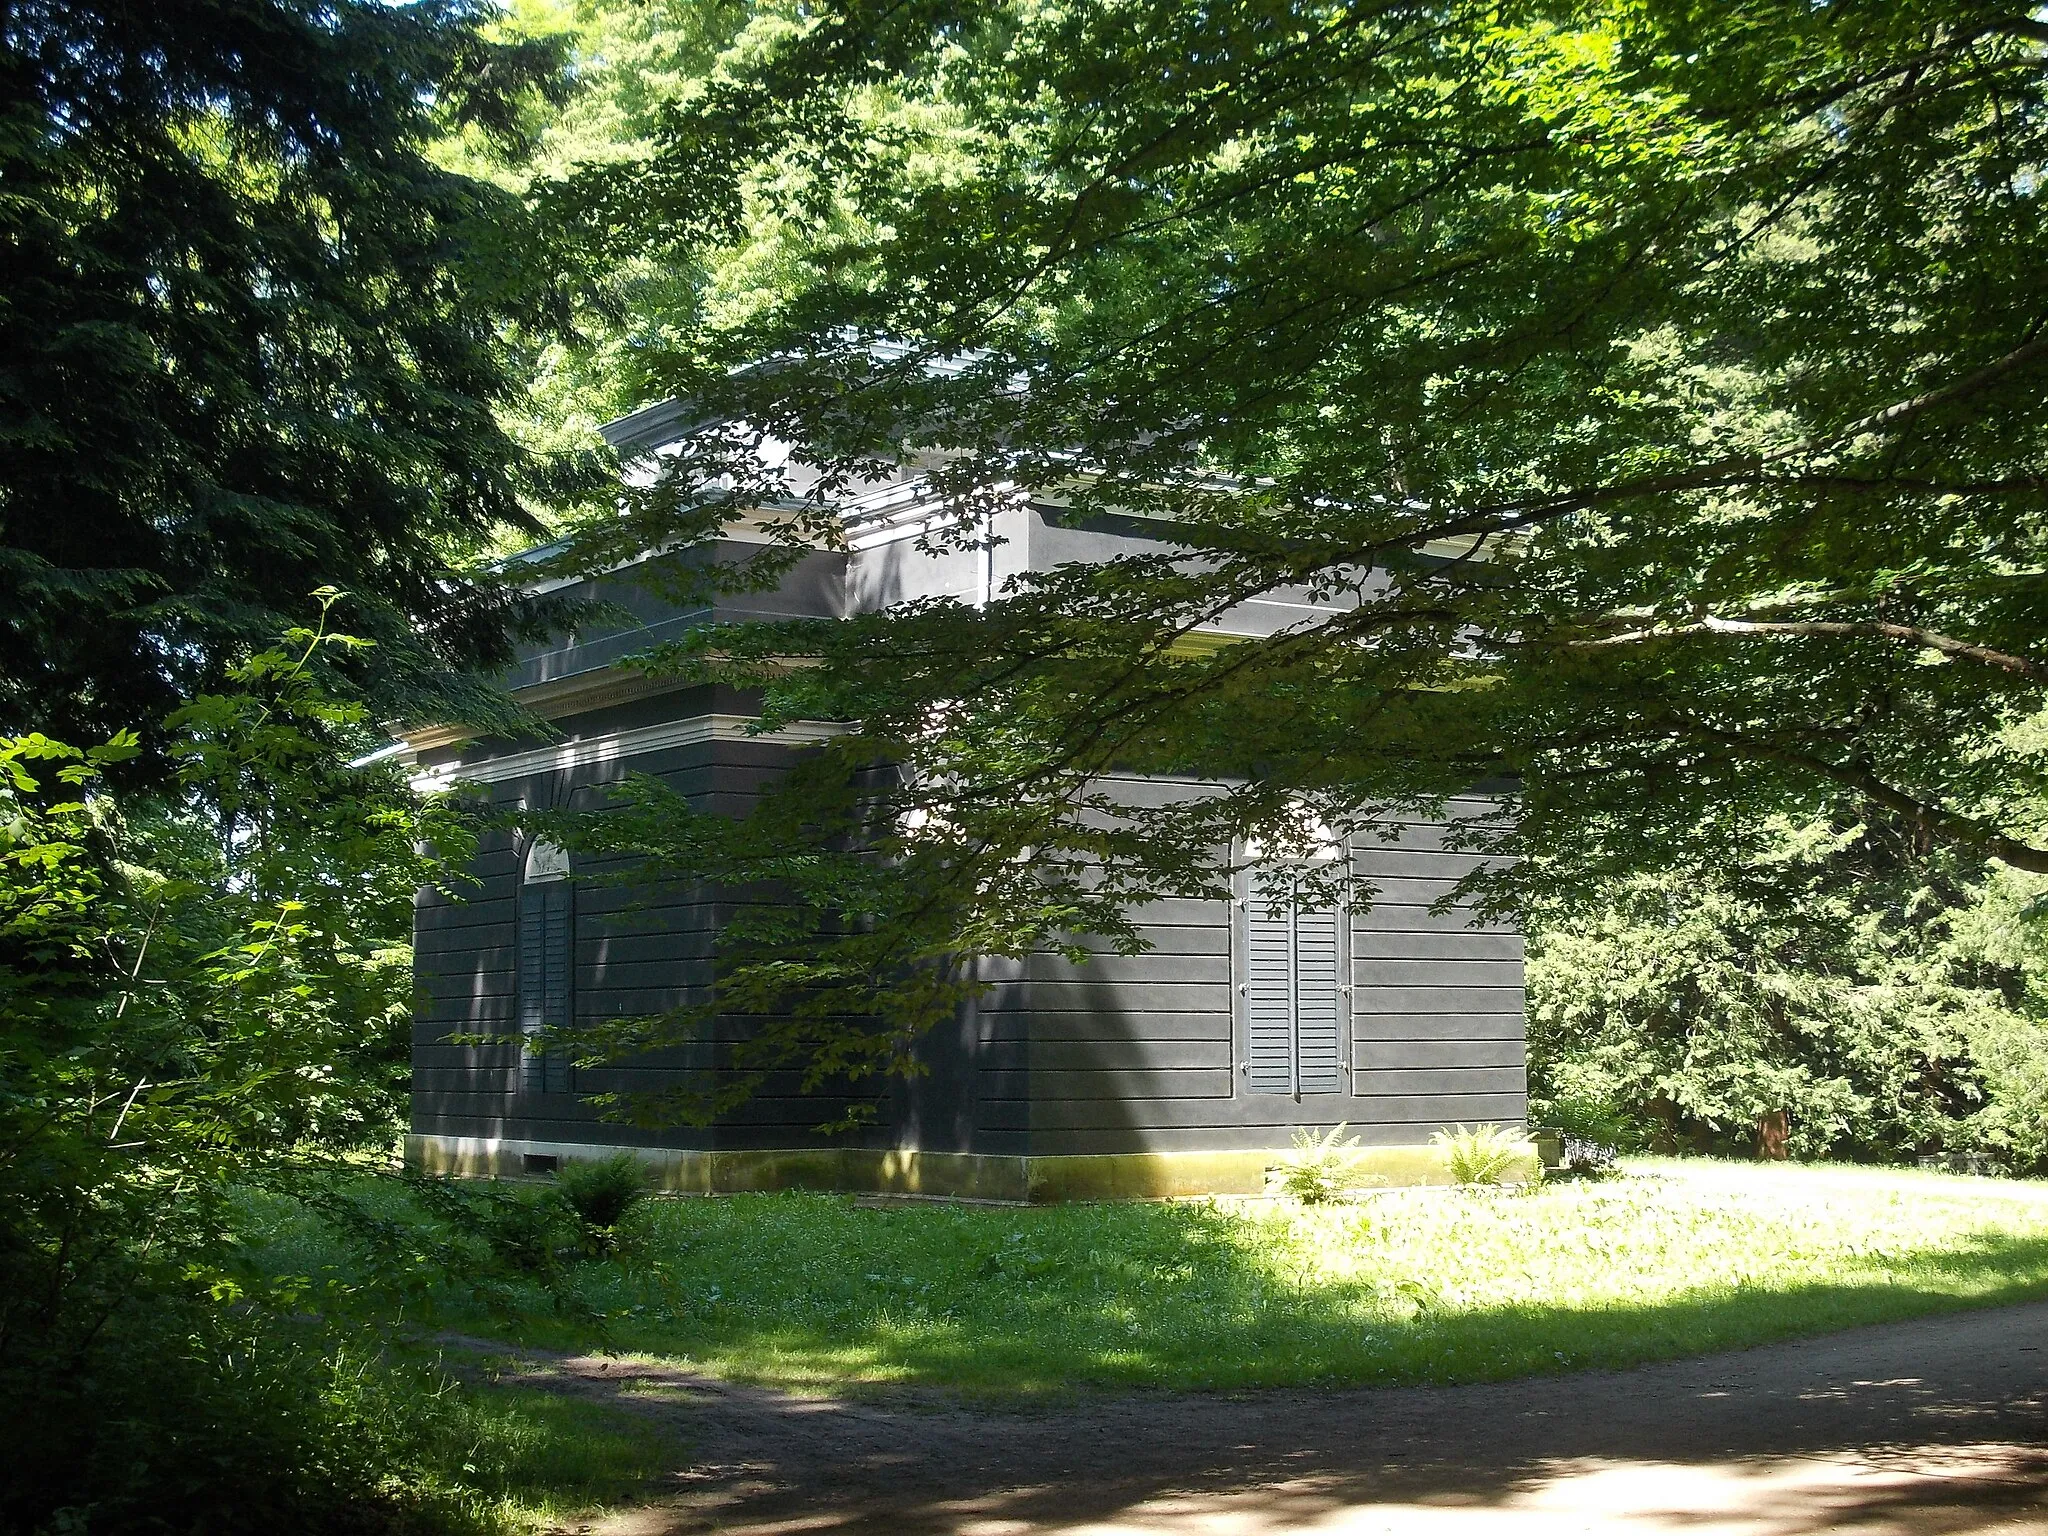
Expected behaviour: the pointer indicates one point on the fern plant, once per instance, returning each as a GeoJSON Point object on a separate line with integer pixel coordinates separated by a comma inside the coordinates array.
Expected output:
{"type": "Point", "coordinates": [601, 1192]}
{"type": "Point", "coordinates": [1320, 1168]}
{"type": "Point", "coordinates": [1482, 1154]}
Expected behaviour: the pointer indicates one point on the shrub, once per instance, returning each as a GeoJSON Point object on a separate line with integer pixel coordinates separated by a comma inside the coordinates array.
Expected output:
{"type": "Point", "coordinates": [1482, 1154]}
{"type": "Point", "coordinates": [601, 1192]}
{"type": "Point", "coordinates": [1590, 1120]}
{"type": "Point", "coordinates": [186, 1415]}
{"type": "Point", "coordinates": [1887, 1008]}
{"type": "Point", "coordinates": [528, 1235]}
{"type": "Point", "coordinates": [188, 980]}
{"type": "Point", "coordinates": [1319, 1169]}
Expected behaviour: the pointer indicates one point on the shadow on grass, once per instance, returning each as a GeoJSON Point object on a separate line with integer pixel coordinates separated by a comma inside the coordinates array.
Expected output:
{"type": "Point", "coordinates": [1034, 1307]}
{"type": "Point", "coordinates": [535, 1453]}
{"type": "Point", "coordinates": [809, 1293]}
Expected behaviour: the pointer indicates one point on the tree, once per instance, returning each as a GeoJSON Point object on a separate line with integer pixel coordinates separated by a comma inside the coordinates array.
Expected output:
{"type": "Point", "coordinates": [1870, 1006]}
{"type": "Point", "coordinates": [191, 987]}
{"type": "Point", "coordinates": [1658, 385]}
{"type": "Point", "coordinates": [632, 60]}
{"type": "Point", "coordinates": [253, 340]}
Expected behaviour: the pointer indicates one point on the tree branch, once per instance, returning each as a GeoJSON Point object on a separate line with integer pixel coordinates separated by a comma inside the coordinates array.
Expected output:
{"type": "Point", "coordinates": [1969, 384]}
{"type": "Point", "coordinates": [1938, 822]}
{"type": "Point", "coordinates": [2005, 661]}
{"type": "Point", "coordinates": [2023, 27]}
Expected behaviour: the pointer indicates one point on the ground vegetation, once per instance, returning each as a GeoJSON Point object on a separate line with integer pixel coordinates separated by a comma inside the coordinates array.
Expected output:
{"type": "Point", "coordinates": [818, 1292]}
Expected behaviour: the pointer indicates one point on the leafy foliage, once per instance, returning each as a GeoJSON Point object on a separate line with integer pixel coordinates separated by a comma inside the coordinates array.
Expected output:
{"type": "Point", "coordinates": [1482, 1154]}
{"type": "Point", "coordinates": [1320, 1168]}
{"type": "Point", "coordinates": [197, 993]}
{"type": "Point", "coordinates": [1890, 1006]}
{"type": "Point", "coordinates": [633, 300]}
{"type": "Point", "coordinates": [253, 341]}
{"type": "Point", "coordinates": [601, 1191]}
{"type": "Point", "coordinates": [1649, 393]}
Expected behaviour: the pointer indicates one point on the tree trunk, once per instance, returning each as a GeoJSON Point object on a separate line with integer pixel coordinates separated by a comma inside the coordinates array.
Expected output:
{"type": "Point", "coordinates": [1774, 1136]}
{"type": "Point", "coordinates": [1664, 1138]}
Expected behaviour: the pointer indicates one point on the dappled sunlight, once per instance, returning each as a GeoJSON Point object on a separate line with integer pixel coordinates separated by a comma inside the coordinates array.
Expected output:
{"type": "Point", "coordinates": [1932, 1427]}
{"type": "Point", "coordinates": [1406, 1285]}
{"type": "Point", "coordinates": [817, 1292]}
{"type": "Point", "coordinates": [1935, 1491]}
{"type": "Point", "coordinates": [1808, 1181]}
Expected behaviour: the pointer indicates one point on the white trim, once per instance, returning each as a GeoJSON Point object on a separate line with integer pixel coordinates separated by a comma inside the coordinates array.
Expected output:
{"type": "Point", "coordinates": [891, 513]}
{"type": "Point", "coordinates": [596, 688]}
{"type": "Point", "coordinates": [383, 754]}
{"type": "Point", "coordinates": [545, 862]}
{"type": "Point", "coordinates": [622, 744]}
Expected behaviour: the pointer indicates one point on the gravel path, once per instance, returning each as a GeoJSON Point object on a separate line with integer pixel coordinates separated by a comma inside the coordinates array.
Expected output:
{"type": "Point", "coordinates": [1938, 1426]}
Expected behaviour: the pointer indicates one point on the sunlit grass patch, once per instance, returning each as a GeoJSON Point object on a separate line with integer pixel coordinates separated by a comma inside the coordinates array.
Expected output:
{"type": "Point", "coordinates": [815, 1292]}
{"type": "Point", "coordinates": [1406, 1286]}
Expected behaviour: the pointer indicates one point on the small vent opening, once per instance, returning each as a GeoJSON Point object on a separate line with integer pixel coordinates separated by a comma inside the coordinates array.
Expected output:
{"type": "Point", "coordinates": [541, 1162]}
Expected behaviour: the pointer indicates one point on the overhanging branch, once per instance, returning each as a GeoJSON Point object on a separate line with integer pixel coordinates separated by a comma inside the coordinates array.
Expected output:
{"type": "Point", "coordinates": [2005, 661]}
{"type": "Point", "coordinates": [1937, 821]}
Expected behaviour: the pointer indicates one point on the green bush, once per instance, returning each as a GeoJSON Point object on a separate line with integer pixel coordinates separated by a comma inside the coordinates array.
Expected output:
{"type": "Point", "coordinates": [1887, 1011]}
{"type": "Point", "coordinates": [601, 1191]}
{"type": "Point", "coordinates": [1588, 1120]}
{"type": "Point", "coordinates": [1320, 1168]}
{"type": "Point", "coordinates": [274, 1393]}
{"type": "Point", "coordinates": [184, 1017]}
{"type": "Point", "coordinates": [188, 1415]}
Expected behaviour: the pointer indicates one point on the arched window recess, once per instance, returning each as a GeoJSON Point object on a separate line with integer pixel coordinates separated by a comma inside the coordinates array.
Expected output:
{"type": "Point", "coordinates": [546, 958]}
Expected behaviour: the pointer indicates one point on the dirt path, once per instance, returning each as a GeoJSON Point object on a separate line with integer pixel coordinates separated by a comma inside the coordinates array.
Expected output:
{"type": "Point", "coordinates": [1939, 1426]}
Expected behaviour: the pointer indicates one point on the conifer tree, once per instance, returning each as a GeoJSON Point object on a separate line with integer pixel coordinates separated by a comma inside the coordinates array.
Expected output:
{"type": "Point", "coordinates": [252, 343]}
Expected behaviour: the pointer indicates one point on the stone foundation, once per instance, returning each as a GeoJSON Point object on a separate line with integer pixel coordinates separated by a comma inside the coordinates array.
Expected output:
{"type": "Point", "coordinates": [949, 1175]}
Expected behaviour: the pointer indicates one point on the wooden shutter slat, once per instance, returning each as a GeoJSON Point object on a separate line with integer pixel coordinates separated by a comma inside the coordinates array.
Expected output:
{"type": "Point", "coordinates": [532, 989]}
{"type": "Point", "coordinates": [1318, 1014]}
{"type": "Point", "coordinates": [555, 1067]}
{"type": "Point", "coordinates": [546, 958]}
{"type": "Point", "coordinates": [1294, 998]}
{"type": "Point", "coordinates": [1269, 1022]}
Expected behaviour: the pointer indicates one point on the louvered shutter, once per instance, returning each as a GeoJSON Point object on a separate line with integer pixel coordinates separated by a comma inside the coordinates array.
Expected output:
{"type": "Point", "coordinates": [560, 943]}
{"type": "Point", "coordinates": [1317, 1002]}
{"type": "Point", "coordinates": [1294, 996]}
{"type": "Point", "coordinates": [1269, 992]}
{"type": "Point", "coordinates": [546, 966]}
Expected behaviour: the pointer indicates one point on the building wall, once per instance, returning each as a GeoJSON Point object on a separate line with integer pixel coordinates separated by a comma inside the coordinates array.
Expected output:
{"type": "Point", "coordinates": [638, 952]}
{"type": "Point", "coordinates": [1129, 1053]}
{"type": "Point", "coordinates": [1119, 1054]}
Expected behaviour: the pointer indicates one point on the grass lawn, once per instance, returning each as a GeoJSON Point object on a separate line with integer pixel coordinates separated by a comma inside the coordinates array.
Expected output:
{"type": "Point", "coordinates": [509, 1459]}
{"type": "Point", "coordinates": [1672, 1257]}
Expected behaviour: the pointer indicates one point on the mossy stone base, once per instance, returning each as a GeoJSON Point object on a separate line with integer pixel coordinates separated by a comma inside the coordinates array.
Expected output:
{"type": "Point", "coordinates": [950, 1175]}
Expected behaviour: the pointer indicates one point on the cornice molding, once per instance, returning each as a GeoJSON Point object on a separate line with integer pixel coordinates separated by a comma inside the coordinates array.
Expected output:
{"type": "Point", "coordinates": [584, 691]}
{"type": "Point", "coordinates": [619, 745]}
